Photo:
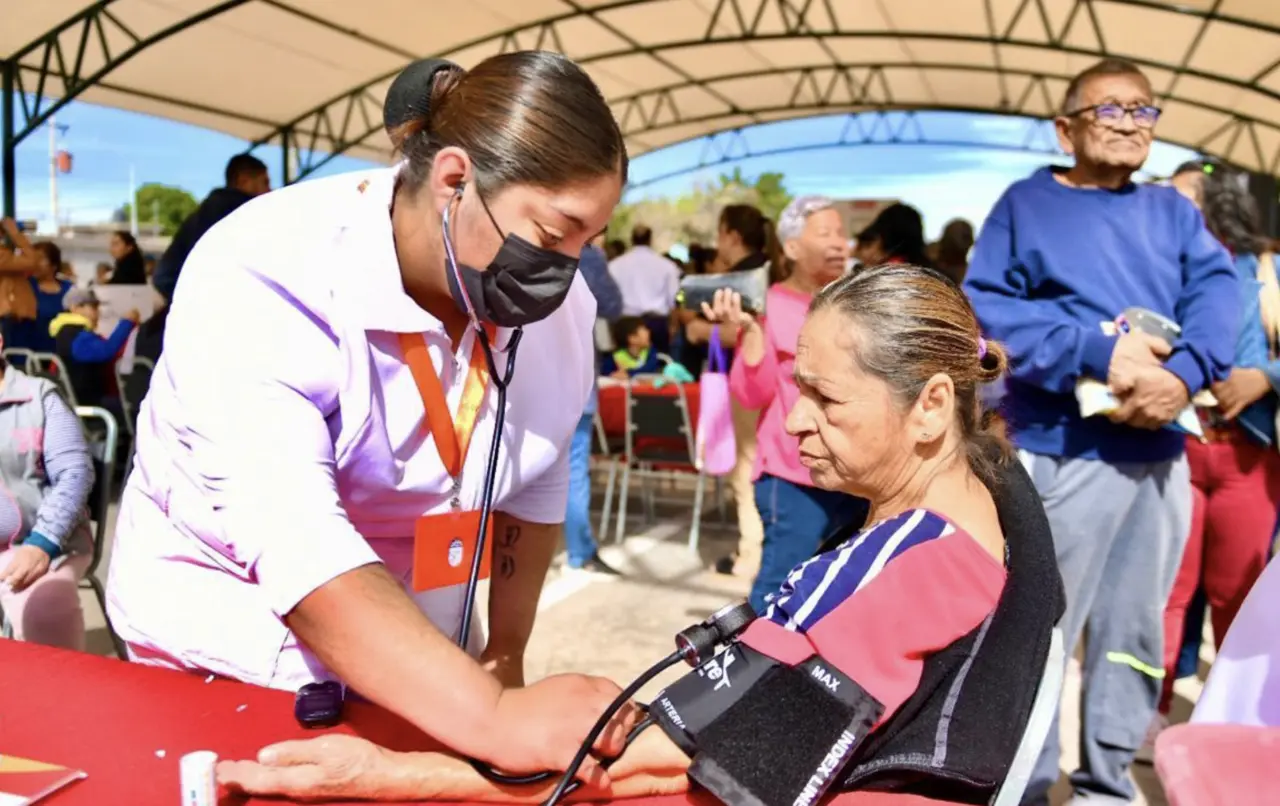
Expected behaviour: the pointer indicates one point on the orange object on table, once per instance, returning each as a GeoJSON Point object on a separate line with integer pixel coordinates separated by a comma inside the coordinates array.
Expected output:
{"type": "Point", "coordinates": [1218, 765]}
{"type": "Point", "coordinates": [111, 718]}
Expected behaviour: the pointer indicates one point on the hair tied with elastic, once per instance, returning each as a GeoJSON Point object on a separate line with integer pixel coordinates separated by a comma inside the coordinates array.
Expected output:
{"type": "Point", "coordinates": [409, 96]}
{"type": "Point", "coordinates": [982, 349]}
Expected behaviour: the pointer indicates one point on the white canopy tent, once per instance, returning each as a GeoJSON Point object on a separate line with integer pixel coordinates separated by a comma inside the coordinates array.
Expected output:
{"type": "Point", "coordinates": [310, 74]}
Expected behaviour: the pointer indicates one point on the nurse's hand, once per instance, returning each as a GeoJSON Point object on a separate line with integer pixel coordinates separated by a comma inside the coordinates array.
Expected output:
{"type": "Point", "coordinates": [545, 724]}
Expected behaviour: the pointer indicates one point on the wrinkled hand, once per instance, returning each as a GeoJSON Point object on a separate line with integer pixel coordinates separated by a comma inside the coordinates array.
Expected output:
{"type": "Point", "coordinates": [547, 722]}
{"type": "Point", "coordinates": [726, 309]}
{"type": "Point", "coordinates": [1156, 397]}
{"type": "Point", "coordinates": [326, 768]}
{"type": "Point", "coordinates": [1134, 352]}
{"type": "Point", "coordinates": [1242, 388]}
{"type": "Point", "coordinates": [26, 565]}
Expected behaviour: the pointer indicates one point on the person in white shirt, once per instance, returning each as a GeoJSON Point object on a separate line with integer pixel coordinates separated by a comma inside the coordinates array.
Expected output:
{"type": "Point", "coordinates": [312, 450]}
{"type": "Point", "coordinates": [649, 282]}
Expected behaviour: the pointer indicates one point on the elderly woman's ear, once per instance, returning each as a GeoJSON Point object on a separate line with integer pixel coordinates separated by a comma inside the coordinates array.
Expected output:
{"type": "Point", "coordinates": [934, 410]}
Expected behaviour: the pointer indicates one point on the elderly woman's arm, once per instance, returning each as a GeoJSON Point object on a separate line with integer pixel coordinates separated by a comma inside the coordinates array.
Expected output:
{"type": "Point", "coordinates": [345, 767]}
{"type": "Point", "coordinates": [70, 471]}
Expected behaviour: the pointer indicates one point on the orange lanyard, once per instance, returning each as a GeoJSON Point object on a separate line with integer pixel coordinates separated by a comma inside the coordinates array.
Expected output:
{"type": "Point", "coordinates": [451, 443]}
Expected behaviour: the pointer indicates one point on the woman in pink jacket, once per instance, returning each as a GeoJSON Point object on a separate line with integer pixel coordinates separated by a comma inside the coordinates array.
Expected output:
{"type": "Point", "coordinates": [796, 514]}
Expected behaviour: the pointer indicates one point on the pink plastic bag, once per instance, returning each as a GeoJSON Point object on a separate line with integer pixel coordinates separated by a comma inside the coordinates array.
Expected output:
{"type": "Point", "coordinates": [717, 452]}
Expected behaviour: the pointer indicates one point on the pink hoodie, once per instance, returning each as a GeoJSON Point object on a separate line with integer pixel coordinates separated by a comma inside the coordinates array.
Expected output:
{"type": "Point", "coordinates": [769, 386]}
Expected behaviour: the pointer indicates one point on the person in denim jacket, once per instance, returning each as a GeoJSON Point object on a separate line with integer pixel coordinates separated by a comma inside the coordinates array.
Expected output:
{"type": "Point", "coordinates": [1235, 472]}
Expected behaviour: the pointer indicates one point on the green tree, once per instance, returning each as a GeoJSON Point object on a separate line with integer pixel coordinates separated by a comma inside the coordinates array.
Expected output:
{"type": "Point", "coordinates": [162, 207]}
{"type": "Point", "coordinates": [694, 216]}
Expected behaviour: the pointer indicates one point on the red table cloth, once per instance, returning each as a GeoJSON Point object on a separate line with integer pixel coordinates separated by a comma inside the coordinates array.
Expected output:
{"type": "Point", "coordinates": [110, 718]}
{"type": "Point", "coordinates": [1218, 765]}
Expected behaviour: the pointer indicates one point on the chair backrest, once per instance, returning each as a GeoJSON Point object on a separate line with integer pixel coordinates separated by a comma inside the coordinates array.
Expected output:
{"type": "Point", "coordinates": [51, 367]}
{"type": "Point", "coordinates": [601, 447]}
{"type": "Point", "coordinates": [1047, 702]}
{"type": "Point", "coordinates": [659, 418]}
{"type": "Point", "coordinates": [20, 357]}
{"type": "Point", "coordinates": [133, 387]}
{"type": "Point", "coordinates": [103, 434]}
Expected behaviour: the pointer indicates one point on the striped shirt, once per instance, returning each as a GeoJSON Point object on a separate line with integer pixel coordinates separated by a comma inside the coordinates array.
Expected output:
{"type": "Point", "coordinates": [68, 471]}
{"type": "Point", "coordinates": [883, 601]}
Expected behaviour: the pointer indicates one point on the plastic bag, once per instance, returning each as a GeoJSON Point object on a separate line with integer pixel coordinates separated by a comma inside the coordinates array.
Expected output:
{"type": "Point", "coordinates": [717, 451]}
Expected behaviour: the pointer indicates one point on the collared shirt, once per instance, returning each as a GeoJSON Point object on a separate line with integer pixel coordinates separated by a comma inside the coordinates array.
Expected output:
{"type": "Point", "coordinates": [282, 441]}
{"type": "Point", "coordinates": [648, 281]}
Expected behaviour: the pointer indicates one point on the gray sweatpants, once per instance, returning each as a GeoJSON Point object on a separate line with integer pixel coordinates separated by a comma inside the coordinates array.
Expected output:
{"type": "Point", "coordinates": [1119, 531]}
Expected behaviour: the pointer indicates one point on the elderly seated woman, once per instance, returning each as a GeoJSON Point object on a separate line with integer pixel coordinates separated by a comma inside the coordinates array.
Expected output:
{"type": "Point", "coordinates": [45, 542]}
{"type": "Point", "coordinates": [925, 629]}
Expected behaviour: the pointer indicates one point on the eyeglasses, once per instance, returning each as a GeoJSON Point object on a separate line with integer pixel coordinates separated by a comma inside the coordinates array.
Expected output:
{"type": "Point", "coordinates": [1144, 117]}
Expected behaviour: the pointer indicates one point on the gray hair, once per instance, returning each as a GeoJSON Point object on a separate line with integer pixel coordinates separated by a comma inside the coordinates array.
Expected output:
{"type": "Point", "coordinates": [791, 222]}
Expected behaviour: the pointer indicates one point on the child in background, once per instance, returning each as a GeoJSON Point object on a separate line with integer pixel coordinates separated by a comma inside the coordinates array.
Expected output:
{"type": "Point", "coordinates": [635, 356]}
{"type": "Point", "coordinates": [89, 358]}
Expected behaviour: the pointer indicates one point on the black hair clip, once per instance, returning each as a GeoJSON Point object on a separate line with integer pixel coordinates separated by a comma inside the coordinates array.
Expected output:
{"type": "Point", "coordinates": [409, 96]}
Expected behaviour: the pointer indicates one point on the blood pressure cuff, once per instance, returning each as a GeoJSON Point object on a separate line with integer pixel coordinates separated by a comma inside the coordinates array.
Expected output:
{"type": "Point", "coordinates": [762, 732]}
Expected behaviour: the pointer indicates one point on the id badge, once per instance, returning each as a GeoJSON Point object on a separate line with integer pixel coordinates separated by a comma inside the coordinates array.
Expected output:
{"type": "Point", "coordinates": [444, 546]}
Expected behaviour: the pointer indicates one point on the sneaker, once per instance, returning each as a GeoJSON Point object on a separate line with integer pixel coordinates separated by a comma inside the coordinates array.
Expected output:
{"type": "Point", "coordinates": [596, 565]}
{"type": "Point", "coordinates": [1147, 753]}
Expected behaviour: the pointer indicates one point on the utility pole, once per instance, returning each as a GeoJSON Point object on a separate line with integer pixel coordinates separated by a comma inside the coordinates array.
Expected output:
{"type": "Point", "coordinates": [53, 175]}
{"type": "Point", "coordinates": [133, 203]}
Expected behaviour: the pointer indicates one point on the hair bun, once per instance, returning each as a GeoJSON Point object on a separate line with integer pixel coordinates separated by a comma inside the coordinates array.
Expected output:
{"type": "Point", "coordinates": [992, 363]}
{"type": "Point", "coordinates": [409, 96]}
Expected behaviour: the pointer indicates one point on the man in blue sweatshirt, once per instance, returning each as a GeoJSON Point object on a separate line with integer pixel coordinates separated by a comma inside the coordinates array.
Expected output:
{"type": "Point", "coordinates": [1062, 252]}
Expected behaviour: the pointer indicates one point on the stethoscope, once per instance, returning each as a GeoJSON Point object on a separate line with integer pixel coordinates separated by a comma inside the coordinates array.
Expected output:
{"type": "Point", "coordinates": [693, 644]}
{"type": "Point", "coordinates": [502, 382]}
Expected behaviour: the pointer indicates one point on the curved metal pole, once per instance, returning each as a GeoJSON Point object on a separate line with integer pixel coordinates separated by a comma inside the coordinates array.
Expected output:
{"type": "Point", "coordinates": [34, 121]}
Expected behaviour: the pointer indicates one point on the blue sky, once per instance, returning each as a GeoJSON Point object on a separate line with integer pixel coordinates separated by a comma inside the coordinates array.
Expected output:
{"type": "Point", "coordinates": [942, 181]}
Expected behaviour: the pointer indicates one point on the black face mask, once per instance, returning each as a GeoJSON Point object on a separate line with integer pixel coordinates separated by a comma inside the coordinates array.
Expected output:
{"type": "Point", "coordinates": [523, 283]}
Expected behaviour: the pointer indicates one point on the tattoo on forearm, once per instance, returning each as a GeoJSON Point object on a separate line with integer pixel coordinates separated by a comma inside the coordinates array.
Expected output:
{"type": "Point", "coordinates": [506, 551]}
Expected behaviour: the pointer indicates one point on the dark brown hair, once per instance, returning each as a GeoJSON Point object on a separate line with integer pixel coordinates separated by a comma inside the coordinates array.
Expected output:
{"type": "Point", "coordinates": [1230, 211]}
{"type": "Point", "coordinates": [1107, 67]}
{"type": "Point", "coordinates": [127, 238]}
{"type": "Point", "coordinates": [51, 253]}
{"type": "Point", "coordinates": [526, 118]}
{"type": "Point", "coordinates": [913, 323]}
{"type": "Point", "coordinates": [953, 249]}
{"type": "Point", "coordinates": [758, 234]}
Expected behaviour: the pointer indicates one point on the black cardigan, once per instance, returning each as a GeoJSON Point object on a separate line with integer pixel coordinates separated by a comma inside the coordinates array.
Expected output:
{"type": "Point", "coordinates": [955, 738]}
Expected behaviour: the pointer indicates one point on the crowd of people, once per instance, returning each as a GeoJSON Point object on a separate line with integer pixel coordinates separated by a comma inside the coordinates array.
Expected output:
{"type": "Point", "coordinates": [880, 483]}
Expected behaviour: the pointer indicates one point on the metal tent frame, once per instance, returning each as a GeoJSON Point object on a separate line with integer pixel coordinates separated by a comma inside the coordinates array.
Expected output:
{"type": "Point", "coordinates": [271, 71]}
